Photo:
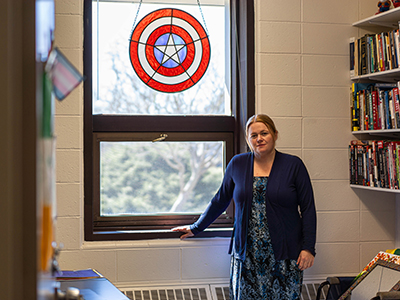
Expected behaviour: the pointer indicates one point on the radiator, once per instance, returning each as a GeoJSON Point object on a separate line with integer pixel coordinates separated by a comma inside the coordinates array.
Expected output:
{"type": "Point", "coordinates": [203, 292]}
{"type": "Point", "coordinates": [309, 291]}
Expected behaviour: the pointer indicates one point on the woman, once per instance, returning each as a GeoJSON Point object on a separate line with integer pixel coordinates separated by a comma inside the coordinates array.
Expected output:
{"type": "Point", "coordinates": [275, 220]}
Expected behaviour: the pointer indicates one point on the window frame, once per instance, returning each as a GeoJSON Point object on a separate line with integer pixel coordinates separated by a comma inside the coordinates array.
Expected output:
{"type": "Point", "coordinates": [243, 77]}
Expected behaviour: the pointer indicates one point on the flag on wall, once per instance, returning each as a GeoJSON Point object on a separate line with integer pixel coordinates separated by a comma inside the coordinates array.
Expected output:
{"type": "Point", "coordinates": [64, 75]}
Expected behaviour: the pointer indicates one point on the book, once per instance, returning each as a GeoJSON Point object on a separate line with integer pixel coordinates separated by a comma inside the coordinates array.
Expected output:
{"type": "Point", "coordinates": [352, 164]}
{"type": "Point", "coordinates": [392, 109]}
{"type": "Point", "coordinates": [368, 54]}
{"type": "Point", "coordinates": [370, 110]}
{"type": "Point", "coordinates": [374, 52]}
{"type": "Point", "coordinates": [385, 91]}
{"type": "Point", "coordinates": [387, 110]}
{"type": "Point", "coordinates": [376, 178]}
{"type": "Point", "coordinates": [352, 62]}
{"type": "Point", "coordinates": [375, 106]}
{"type": "Point", "coordinates": [381, 53]}
{"type": "Point", "coordinates": [356, 55]}
{"type": "Point", "coordinates": [396, 107]}
{"type": "Point", "coordinates": [397, 45]}
{"type": "Point", "coordinates": [355, 122]}
{"type": "Point", "coordinates": [393, 48]}
{"type": "Point", "coordinates": [363, 57]}
{"type": "Point", "coordinates": [388, 55]}
{"type": "Point", "coordinates": [361, 106]}
{"type": "Point", "coordinates": [375, 163]}
{"type": "Point", "coordinates": [382, 163]}
{"type": "Point", "coordinates": [78, 274]}
{"type": "Point", "coordinates": [362, 111]}
{"type": "Point", "coordinates": [375, 116]}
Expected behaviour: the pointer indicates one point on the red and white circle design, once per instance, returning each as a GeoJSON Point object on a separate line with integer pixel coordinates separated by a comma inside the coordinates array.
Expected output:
{"type": "Point", "coordinates": [169, 50]}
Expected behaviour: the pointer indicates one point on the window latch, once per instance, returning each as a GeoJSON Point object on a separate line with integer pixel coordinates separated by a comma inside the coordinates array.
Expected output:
{"type": "Point", "coordinates": [162, 137]}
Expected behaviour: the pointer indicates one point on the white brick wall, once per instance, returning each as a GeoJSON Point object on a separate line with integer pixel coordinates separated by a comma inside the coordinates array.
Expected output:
{"type": "Point", "coordinates": [302, 82]}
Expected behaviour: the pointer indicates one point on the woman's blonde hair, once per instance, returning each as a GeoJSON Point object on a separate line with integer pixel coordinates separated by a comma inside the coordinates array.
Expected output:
{"type": "Point", "coordinates": [266, 120]}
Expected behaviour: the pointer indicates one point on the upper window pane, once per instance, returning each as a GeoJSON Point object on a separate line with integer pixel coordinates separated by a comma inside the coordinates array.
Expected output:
{"type": "Point", "coordinates": [117, 89]}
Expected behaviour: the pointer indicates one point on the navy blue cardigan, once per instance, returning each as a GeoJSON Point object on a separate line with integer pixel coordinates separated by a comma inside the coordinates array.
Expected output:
{"type": "Point", "coordinates": [290, 207]}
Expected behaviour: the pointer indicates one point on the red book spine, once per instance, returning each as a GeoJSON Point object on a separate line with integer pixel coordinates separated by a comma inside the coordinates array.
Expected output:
{"type": "Point", "coordinates": [396, 107]}
{"type": "Point", "coordinates": [375, 110]}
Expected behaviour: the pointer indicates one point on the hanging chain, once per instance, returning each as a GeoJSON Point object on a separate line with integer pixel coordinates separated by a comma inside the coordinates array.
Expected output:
{"type": "Point", "coordinates": [140, 4]}
{"type": "Point", "coordinates": [204, 21]}
{"type": "Point", "coordinates": [137, 14]}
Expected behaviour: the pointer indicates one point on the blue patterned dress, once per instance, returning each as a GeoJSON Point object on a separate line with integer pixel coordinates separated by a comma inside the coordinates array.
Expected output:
{"type": "Point", "coordinates": [260, 276]}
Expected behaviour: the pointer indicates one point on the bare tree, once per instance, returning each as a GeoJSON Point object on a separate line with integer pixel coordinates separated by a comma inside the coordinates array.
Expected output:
{"type": "Point", "coordinates": [129, 95]}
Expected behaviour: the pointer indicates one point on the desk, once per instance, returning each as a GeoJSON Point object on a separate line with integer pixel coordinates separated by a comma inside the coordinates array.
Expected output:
{"type": "Point", "coordinates": [94, 288]}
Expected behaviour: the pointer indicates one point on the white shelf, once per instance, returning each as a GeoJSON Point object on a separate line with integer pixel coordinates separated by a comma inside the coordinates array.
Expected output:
{"type": "Point", "coordinates": [362, 187]}
{"type": "Point", "coordinates": [388, 18]}
{"type": "Point", "coordinates": [387, 76]}
{"type": "Point", "coordinates": [394, 132]}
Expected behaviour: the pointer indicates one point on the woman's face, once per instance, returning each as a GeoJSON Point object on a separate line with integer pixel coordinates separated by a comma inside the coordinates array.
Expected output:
{"type": "Point", "coordinates": [261, 140]}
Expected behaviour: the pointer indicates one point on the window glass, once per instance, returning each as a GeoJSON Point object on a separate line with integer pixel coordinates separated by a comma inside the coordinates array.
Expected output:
{"type": "Point", "coordinates": [158, 177]}
{"type": "Point", "coordinates": [118, 90]}
{"type": "Point", "coordinates": [139, 188]}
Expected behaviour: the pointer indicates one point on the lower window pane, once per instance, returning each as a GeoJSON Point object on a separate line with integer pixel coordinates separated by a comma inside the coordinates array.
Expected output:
{"type": "Point", "coordinates": [145, 178]}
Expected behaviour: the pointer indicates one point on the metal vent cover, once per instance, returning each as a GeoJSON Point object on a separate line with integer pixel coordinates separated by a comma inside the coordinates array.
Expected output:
{"type": "Point", "coordinates": [219, 292]}
{"type": "Point", "coordinates": [309, 291]}
{"type": "Point", "coordinates": [204, 292]}
{"type": "Point", "coordinates": [169, 293]}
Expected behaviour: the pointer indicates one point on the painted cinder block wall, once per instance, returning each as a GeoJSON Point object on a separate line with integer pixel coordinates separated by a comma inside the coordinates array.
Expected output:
{"type": "Point", "coordinates": [302, 82]}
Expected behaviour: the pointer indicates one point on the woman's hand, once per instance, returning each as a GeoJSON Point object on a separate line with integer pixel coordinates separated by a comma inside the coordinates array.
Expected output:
{"type": "Point", "coordinates": [305, 260]}
{"type": "Point", "coordinates": [185, 229]}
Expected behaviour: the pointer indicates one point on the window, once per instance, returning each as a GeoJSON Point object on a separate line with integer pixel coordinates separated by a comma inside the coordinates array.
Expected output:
{"type": "Point", "coordinates": [153, 160]}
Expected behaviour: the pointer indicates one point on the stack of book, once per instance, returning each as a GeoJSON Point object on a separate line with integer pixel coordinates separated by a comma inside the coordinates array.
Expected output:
{"type": "Point", "coordinates": [374, 53]}
{"type": "Point", "coordinates": [375, 106]}
{"type": "Point", "coordinates": [375, 163]}
{"type": "Point", "coordinates": [77, 274]}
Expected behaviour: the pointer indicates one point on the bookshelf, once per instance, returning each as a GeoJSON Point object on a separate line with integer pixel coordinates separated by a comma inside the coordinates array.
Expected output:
{"type": "Point", "coordinates": [383, 22]}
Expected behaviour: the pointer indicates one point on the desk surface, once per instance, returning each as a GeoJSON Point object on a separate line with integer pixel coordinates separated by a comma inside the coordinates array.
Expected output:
{"type": "Point", "coordinates": [94, 288]}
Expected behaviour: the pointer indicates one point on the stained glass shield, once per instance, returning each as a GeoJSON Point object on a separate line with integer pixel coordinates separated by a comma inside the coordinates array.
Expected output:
{"type": "Point", "coordinates": [169, 50]}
